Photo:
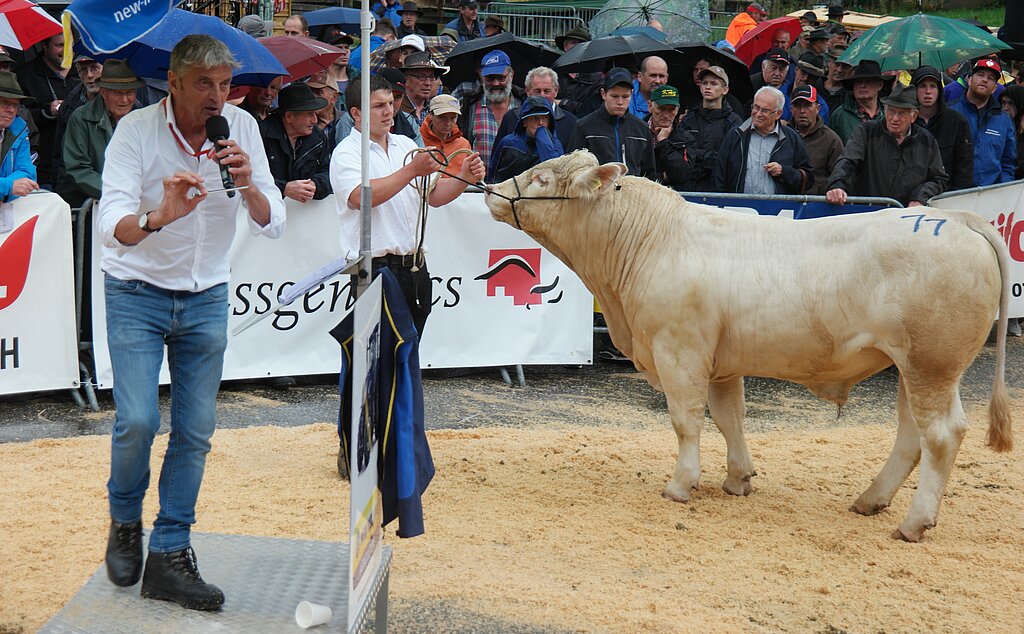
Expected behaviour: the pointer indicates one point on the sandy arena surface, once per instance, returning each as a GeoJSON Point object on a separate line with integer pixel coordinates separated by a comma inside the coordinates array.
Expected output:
{"type": "Point", "coordinates": [559, 527]}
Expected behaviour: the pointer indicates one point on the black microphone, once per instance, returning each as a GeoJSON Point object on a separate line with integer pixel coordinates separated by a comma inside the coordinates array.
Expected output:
{"type": "Point", "coordinates": [217, 130]}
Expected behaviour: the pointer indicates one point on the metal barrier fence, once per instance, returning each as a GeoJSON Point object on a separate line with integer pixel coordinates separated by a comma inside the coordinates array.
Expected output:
{"type": "Point", "coordinates": [537, 23]}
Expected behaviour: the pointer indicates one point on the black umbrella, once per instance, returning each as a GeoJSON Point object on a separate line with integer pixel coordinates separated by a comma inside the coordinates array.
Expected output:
{"type": "Point", "coordinates": [687, 54]}
{"type": "Point", "coordinates": [464, 60]}
{"type": "Point", "coordinates": [603, 53]}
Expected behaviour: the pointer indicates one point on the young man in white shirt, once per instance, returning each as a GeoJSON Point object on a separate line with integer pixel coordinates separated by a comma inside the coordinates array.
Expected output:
{"type": "Point", "coordinates": [166, 232]}
{"type": "Point", "coordinates": [396, 223]}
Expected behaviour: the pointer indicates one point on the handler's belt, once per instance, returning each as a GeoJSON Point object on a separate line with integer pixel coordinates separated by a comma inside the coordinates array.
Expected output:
{"type": "Point", "coordinates": [407, 261]}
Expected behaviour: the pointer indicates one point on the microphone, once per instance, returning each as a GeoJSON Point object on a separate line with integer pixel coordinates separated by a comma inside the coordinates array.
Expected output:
{"type": "Point", "coordinates": [217, 130]}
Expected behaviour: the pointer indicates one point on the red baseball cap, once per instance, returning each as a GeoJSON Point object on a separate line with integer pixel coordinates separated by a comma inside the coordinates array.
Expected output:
{"type": "Point", "coordinates": [987, 64]}
{"type": "Point", "coordinates": [755, 7]}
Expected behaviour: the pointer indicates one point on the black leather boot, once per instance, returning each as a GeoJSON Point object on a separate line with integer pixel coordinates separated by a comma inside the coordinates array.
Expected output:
{"type": "Point", "coordinates": [175, 577]}
{"type": "Point", "coordinates": [124, 553]}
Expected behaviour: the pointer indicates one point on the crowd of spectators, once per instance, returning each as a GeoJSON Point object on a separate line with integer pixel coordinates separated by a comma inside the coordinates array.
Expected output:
{"type": "Point", "coordinates": [813, 126]}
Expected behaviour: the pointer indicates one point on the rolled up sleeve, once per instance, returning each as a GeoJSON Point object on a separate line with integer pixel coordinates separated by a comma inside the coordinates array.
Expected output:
{"type": "Point", "coordinates": [252, 143]}
{"type": "Point", "coordinates": [346, 174]}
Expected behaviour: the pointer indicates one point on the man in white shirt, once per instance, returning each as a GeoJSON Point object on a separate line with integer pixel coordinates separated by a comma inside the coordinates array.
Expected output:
{"type": "Point", "coordinates": [166, 231]}
{"type": "Point", "coordinates": [396, 222]}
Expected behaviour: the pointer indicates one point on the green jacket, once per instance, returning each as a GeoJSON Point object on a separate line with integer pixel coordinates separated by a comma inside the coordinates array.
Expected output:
{"type": "Point", "coordinates": [85, 142]}
{"type": "Point", "coordinates": [846, 118]}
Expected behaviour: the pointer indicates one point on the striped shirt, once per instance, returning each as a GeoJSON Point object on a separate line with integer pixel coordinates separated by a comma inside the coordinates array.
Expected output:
{"type": "Point", "coordinates": [759, 154]}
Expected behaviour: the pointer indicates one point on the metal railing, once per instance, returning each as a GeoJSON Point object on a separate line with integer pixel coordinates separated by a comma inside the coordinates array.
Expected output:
{"type": "Point", "coordinates": [537, 23]}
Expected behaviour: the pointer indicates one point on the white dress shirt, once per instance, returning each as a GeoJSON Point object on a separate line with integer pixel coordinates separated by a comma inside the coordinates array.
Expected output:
{"type": "Point", "coordinates": [191, 253]}
{"type": "Point", "coordinates": [394, 225]}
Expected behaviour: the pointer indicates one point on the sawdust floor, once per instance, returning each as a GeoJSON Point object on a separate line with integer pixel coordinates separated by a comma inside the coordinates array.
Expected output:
{"type": "Point", "coordinates": [564, 528]}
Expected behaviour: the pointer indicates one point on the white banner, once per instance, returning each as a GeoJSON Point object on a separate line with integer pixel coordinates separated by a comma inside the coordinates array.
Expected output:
{"type": "Point", "coordinates": [38, 345]}
{"type": "Point", "coordinates": [1001, 205]}
{"type": "Point", "coordinates": [499, 298]}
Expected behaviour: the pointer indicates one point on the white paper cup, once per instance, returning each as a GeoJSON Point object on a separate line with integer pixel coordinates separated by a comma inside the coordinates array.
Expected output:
{"type": "Point", "coordinates": [309, 614]}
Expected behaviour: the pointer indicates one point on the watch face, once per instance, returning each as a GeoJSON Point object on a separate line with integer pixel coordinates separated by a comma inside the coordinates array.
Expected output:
{"type": "Point", "coordinates": [143, 221]}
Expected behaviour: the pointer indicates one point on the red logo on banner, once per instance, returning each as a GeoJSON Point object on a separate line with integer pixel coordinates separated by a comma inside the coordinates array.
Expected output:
{"type": "Point", "coordinates": [1011, 231]}
{"type": "Point", "coordinates": [518, 272]}
{"type": "Point", "coordinates": [15, 254]}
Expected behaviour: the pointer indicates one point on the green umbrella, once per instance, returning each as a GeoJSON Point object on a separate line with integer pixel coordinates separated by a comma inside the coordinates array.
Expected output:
{"type": "Point", "coordinates": [921, 40]}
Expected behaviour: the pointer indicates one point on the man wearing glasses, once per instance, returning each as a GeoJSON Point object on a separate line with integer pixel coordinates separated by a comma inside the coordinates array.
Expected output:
{"type": "Point", "coordinates": [761, 156]}
{"type": "Point", "coordinates": [421, 83]}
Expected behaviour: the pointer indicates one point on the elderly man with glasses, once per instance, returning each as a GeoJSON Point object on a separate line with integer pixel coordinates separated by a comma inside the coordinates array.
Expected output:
{"type": "Point", "coordinates": [761, 156]}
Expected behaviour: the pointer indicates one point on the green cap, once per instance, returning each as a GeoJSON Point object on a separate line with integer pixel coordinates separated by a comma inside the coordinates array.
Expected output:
{"type": "Point", "coordinates": [665, 96]}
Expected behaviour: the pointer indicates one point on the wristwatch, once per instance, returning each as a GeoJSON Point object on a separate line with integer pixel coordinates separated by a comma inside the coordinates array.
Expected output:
{"type": "Point", "coordinates": [144, 223]}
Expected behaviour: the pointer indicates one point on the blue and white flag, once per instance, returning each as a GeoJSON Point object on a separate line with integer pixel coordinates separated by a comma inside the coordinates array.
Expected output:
{"type": "Point", "coordinates": [108, 25]}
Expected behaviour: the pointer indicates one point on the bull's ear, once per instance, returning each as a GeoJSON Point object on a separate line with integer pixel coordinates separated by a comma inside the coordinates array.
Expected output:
{"type": "Point", "coordinates": [594, 182]}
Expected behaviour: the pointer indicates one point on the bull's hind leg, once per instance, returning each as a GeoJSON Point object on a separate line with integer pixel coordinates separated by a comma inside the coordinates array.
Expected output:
{"type": "Point", "coordinates": [902, 460]}
{"type": "Point", "coordinates": [942, 424]}
{"type": "Point", "coordinates": [725, 400]}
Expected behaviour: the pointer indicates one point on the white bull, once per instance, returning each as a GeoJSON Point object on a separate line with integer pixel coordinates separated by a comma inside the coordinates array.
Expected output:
{"type": "Point", "coordinates": [698, 298]}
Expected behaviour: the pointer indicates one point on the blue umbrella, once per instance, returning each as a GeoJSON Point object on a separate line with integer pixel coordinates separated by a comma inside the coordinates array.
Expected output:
{"type": "Point", "coordinates": [346, 19]}
{"type": "Point", "coordinates": [150, 55]}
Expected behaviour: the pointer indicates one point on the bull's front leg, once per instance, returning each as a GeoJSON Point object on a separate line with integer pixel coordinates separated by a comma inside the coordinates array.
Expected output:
{"type": "Point", "coordinates": [725, 401]}
{"type": "Point", "coordinates": [686, 385]}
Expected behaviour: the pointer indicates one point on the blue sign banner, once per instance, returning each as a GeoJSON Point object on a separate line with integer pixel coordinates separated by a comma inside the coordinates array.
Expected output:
{"type": "Point", "coordinates": [108, 25]}
{"type": "Point", "coordinates": [786, 208]}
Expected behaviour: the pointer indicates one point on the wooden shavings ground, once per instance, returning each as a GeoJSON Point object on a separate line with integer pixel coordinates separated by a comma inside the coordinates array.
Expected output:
{"type": "Point", "coordinates": [564, 528]}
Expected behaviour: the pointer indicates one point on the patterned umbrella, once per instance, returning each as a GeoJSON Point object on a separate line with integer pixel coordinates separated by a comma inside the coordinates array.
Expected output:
{"type": "Point", "coordinates": [437, 45]}
{"type": "Point", "coordinates": [23, 23]}
{"type": "Point", "coordinates": [921, 40]}
{"type": "Point", "coordinates": [682, 20]}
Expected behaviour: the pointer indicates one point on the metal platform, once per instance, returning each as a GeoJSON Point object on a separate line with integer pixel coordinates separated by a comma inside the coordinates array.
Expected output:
{"type": "Point", "coordinates": [263, 579]}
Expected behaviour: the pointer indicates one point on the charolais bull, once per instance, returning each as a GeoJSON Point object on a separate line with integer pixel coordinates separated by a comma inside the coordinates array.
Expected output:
{"type": "Point", "coordinates": [698, 298]}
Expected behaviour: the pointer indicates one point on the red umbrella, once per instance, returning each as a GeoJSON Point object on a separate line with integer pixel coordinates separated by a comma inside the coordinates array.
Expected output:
{"type": "Point", "coordinates": [301, 56]}
{"type": "Point", "coordinates": [759, 39]}
{"type": "Point", "coordinates": [23, 23]}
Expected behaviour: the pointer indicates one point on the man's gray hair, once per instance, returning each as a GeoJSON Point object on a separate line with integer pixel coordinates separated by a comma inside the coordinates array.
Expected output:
{"type": "Point", "coordinates": [541, 71]}
{"type": "Point", "coordinates": [200, 51]}
{"type": "Point", "coordinates": [774, 93]}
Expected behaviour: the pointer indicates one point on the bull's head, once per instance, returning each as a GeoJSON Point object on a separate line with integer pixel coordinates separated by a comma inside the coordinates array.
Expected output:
{"type": "Point", "coordinates": [530, 198]}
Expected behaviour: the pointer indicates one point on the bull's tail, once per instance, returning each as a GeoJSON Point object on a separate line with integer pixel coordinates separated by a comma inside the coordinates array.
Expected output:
{"type": "Point", "coordinates": [1000, 433]}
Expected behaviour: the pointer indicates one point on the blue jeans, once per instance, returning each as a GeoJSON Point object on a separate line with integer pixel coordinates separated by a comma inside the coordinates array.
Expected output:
{"type": "Point", "coordinates": [141, 320]}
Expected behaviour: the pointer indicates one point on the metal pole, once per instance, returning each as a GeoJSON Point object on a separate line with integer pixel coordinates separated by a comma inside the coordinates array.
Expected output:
{"type": "Point", "coordinates": [366, 25]}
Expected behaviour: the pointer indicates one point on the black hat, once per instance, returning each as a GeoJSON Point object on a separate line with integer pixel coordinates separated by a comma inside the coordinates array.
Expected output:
{"type": "Point", "coordinates": [926, 72]}
{"type": "Point", "coordinates": [902, 97]}
{"type": "Point", "coordinates": [812, 64]}
{"type": "Point", "coordinates": [778, 55]}
{"type": "Point", "coordinates": [493, 20]}
{"type": "Point", "coordinates": [395, 77]}
{"type": "Point", "coordinates": [467, 3]}
{"type": "Point", "coordinates": [618, 77]}
{"type": "Point", "coordinates": [818, 34]}
{"type": "Point", "coordinates": [866, 69]}
{"type": "Point", "coordinates": [299, 98]}
{"type": "Point", "coordinates": [836, 11]}
{"type": "Point", "coordinates": [420, 60]}
{"type": "Point", "coordinates": [9, 86]}
{"type": "Point", "coordinates": [811, 17]}
{"type": "Point", "coordinates": [409, 7]}
{"type": "Point", "coordinates": [576, 33]}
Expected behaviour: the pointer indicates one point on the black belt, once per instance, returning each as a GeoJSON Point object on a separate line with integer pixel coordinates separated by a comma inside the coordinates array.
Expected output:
{"type": "Point", "coordinates": [401, 261]}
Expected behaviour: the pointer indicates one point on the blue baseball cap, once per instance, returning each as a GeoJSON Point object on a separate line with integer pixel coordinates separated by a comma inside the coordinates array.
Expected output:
{"type": "Point", "coordinates": [495, 63]}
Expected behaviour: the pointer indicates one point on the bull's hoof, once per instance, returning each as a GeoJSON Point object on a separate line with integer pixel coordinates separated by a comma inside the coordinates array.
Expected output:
{"type": "Point", "coordinates": [743, 488]}
{"type": "Point", "coordinates": [676, 493]}
{"type": "Point", "coordinates": [912, 537]}
{"type": "Point", "coordinates": [862, 508]}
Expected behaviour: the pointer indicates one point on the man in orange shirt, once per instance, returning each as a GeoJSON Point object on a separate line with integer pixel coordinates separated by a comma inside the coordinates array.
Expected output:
{"type": "Point", "coordinates": [743, 22]}
{"type": "Point", "coordinates": [440, 130]}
